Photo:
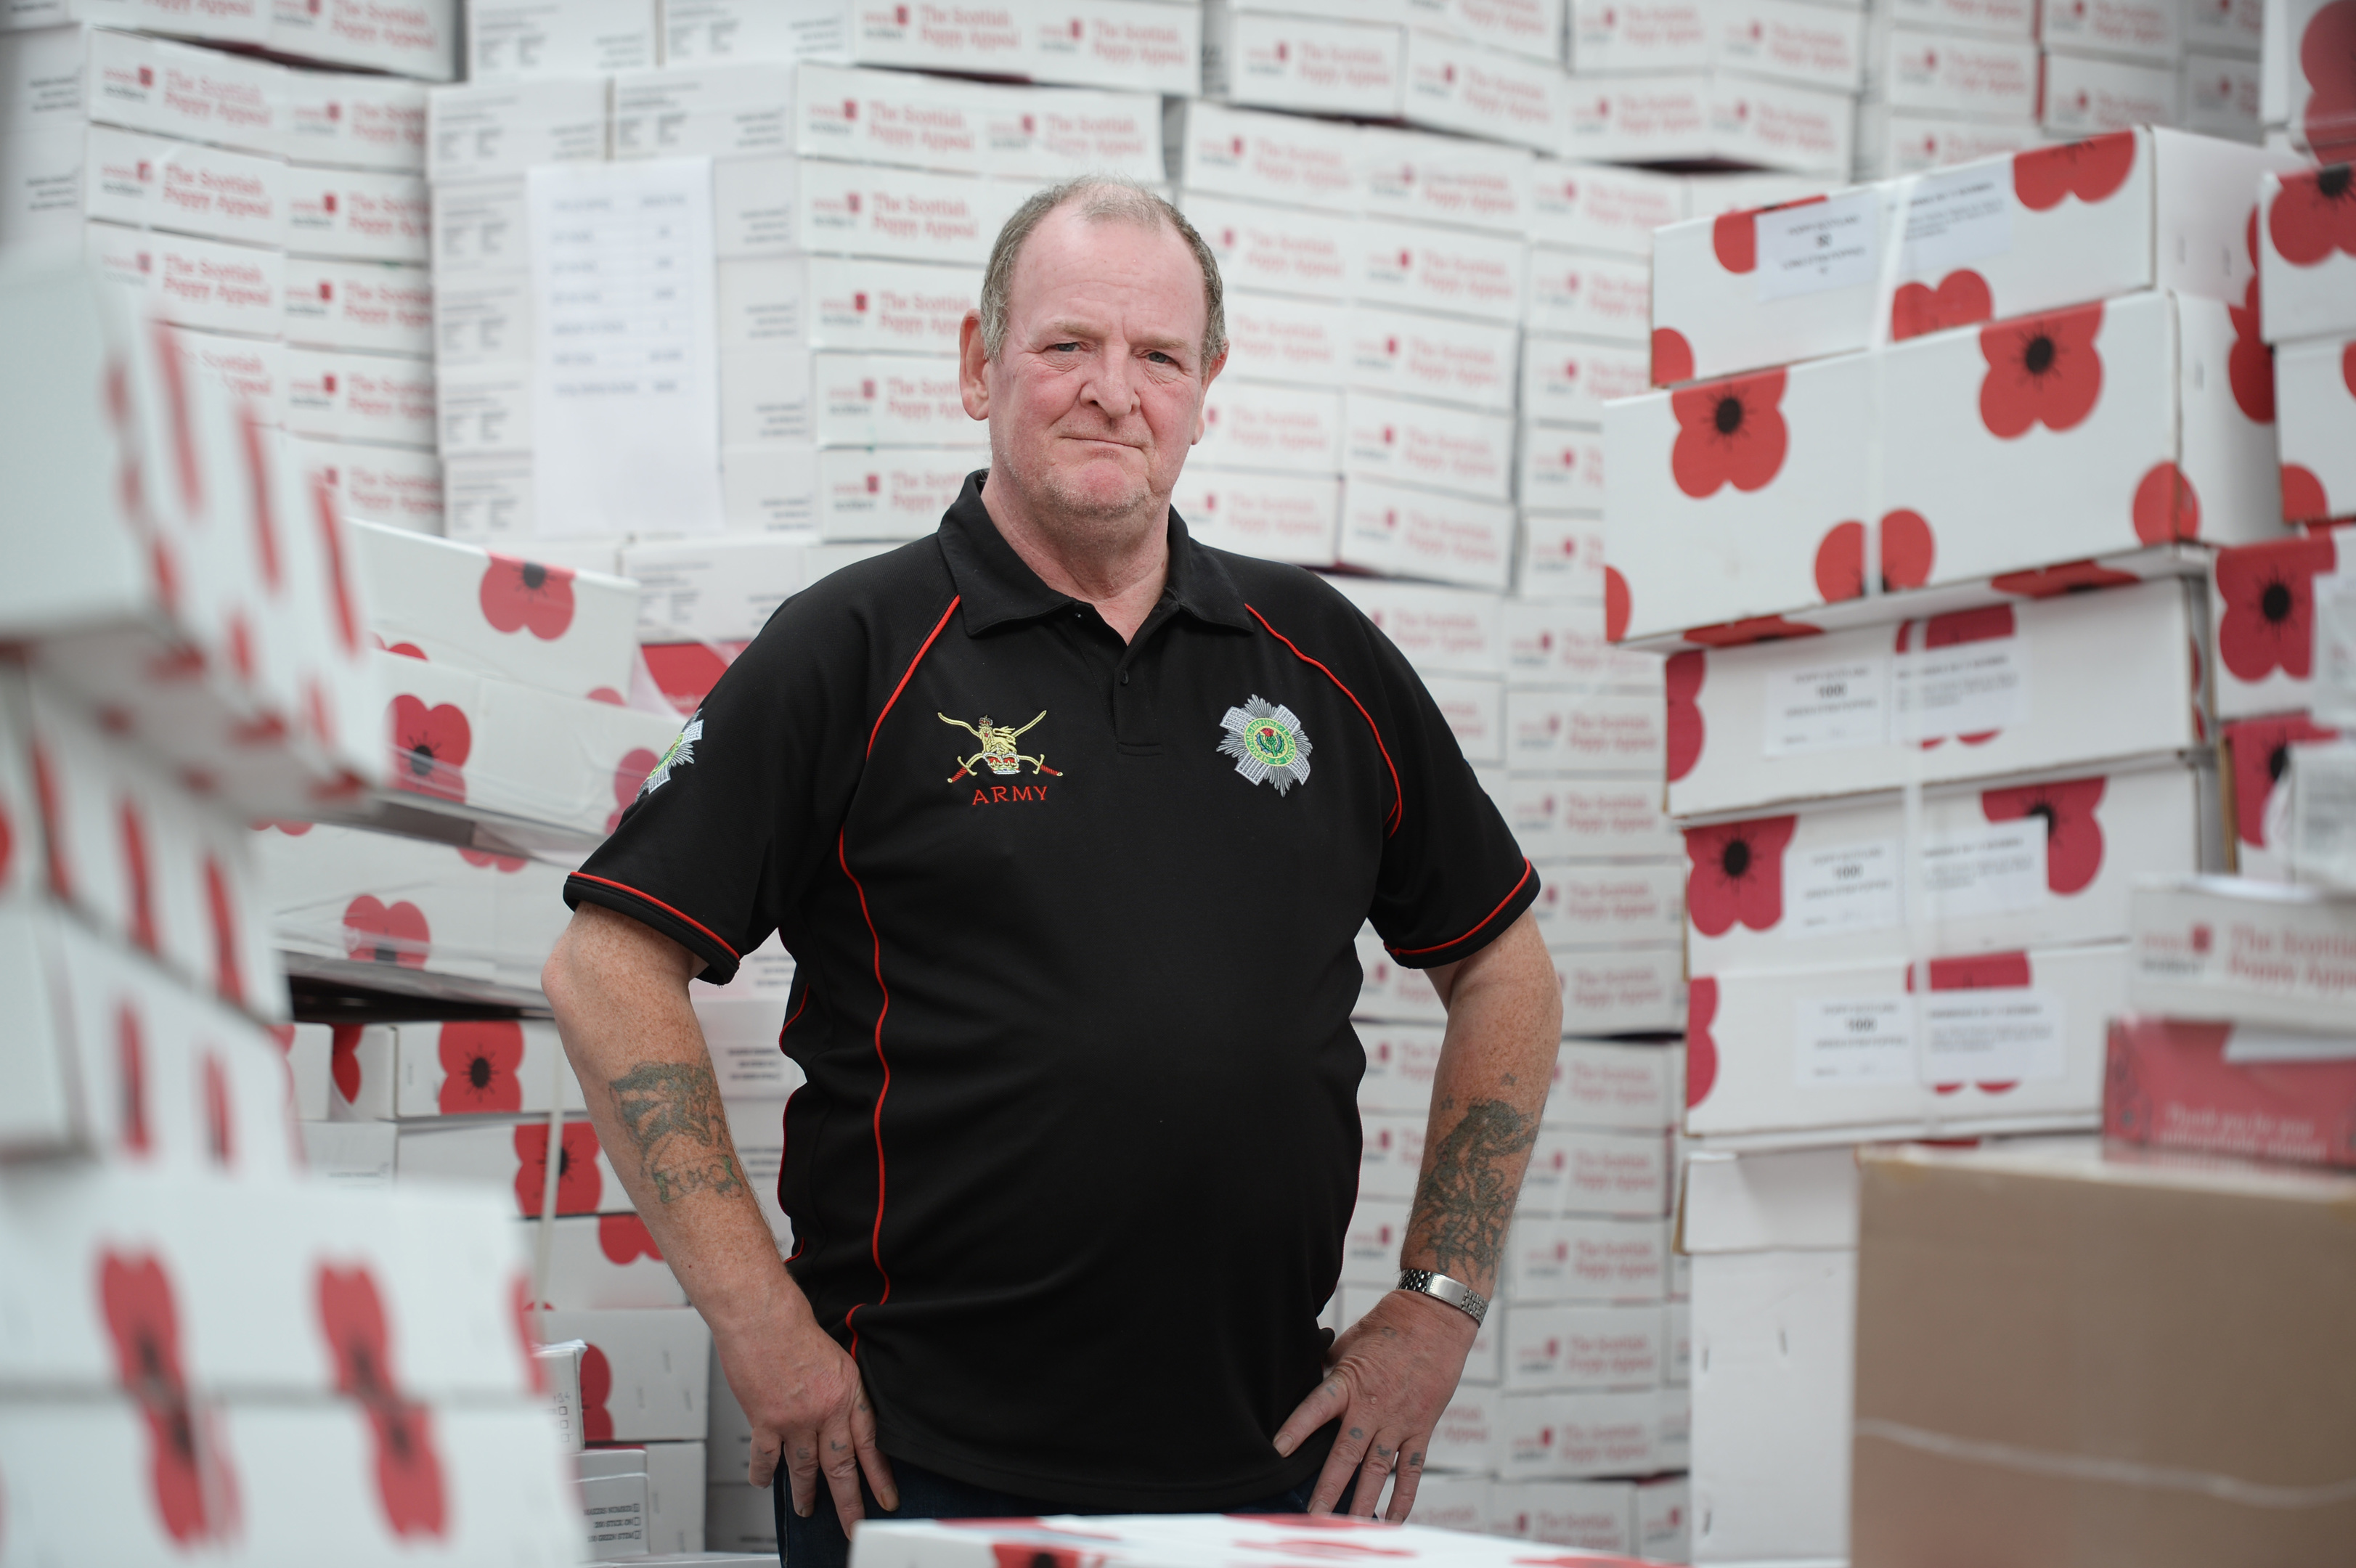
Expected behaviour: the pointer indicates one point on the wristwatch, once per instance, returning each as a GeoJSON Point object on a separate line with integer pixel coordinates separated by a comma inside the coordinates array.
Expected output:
{"type": "Point", "coordinates": [1440, 1288]}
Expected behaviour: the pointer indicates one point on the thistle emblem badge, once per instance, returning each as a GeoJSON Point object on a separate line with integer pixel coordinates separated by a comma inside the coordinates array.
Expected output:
{"type": "Point", "coordinates": [1266, 741]}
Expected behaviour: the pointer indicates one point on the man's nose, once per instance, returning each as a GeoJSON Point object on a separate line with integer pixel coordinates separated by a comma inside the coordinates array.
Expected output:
{"type": "Point", "coordinates": [1111, 387]}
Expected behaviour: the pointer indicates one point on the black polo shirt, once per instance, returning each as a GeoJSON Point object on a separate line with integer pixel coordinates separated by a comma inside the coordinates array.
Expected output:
{"type": "Point", "coordinates": [1074, 924]}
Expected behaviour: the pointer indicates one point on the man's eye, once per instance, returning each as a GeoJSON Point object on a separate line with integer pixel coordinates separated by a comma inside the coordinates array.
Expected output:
{"type": "Point", "coordinates": [1060, 347]}
{"type": "Point", "coordinates": [1161, 358]}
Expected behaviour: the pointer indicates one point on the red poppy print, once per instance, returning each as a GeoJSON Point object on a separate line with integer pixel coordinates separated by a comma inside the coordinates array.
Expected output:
{"type": "Point", "coordinates": [1683, 675]}
{"type": "Point", "coordinates": [47, 802]}
{"type": "Point", "coordinates": [2165, 505]}
{"type": "Point", "coordinates": [7, 844]}
{"type": "Point", "coordinates": [485, 858]}
{"type": "Point", "coordinates": [1734, 239]}
{"type": "Point", "coordinates": [331, 550]}
{"type": "Point", "coordinates": [378, 933]}
{"type": "Point", "coordinates": [131, 1081]}
{"type": "Point", "coordinates": [2303, 497]}
{"type": "Point", "coordinates": [596, 1389]}
{"type": "Point", "coordinates": [1979, 971]}
{"type": "Point", "coordinates": [1908, 551]}
{"type": "Point", "coordinates": [2074, 835]}
{"type": "Point", "coordinates": [2314, 215]}
{"type": "Point", "coordinates": [344, 1060]}
{"type": "Point", "coordinates": [629, 777]}
{"type": "Point", "coordinates": [1728, 432]}
{"type": "Point", "coordinates": [2269, 592]}
{"type": "Point", "coordinates": [685, 672]}
{"type": "Point", "coordinates": [1962, 299]}
{"type": "Point", "coordinates": [2250, 366]}
{"type": "Point", "coordinates": [524, 595]}
{"type": "Point", "coordinates": [522, 1318]}
{"type": "Point", "coordinates": [2052, 582]}
{"type": "Point", "coordinates": [2042, 370]}
{"type": "Point", "coordinates": [1756, 629]}
{"type": "Point", "coordinates": [2347, 366]}
{"type": "Point", "coordinates": [408, 1469]}
{"type": "Point", "coordinates": [624, 1239]}
{"type": "Point", "coordinates": [228, 972]}
{"type": "Point", "coordinates": [143, 1323]}
{"type": "Point", "coordinates": [2326, 46]}
{"type": "Point", "coordinates": [1701, 1051]}
{"type": "Point", "coordinates": [220, 1124]}
{"type": "Point", "coordinates": [430, 746]}
{"type": "Point", "coordinates": [578, 1186]}
{"type": "Point", "coordinates": [478, 1067]}
{"type": "Point", "coordinates": [1615, 608]}
{"type": "Point", "coordinates": [1737, 874]}
{"type": "Point", "coordinates": [2259, 749]}
{"type": "Point", "coordinates": [1673, 358]}
{"type": "Point", "coordinates": [139, 891]}
{"type": "Point", "coordinates": [2091, 170]}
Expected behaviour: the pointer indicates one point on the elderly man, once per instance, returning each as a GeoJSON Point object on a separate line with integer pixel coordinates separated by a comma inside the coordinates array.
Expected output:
{"type": "Point", "coordinates": [1070, 823]}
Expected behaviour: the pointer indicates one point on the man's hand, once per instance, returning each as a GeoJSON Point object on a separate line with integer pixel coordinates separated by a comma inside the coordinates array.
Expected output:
{"type": "Point", "coordinates": [1387, 1379]}
{"type": "Point", "coordinates": [803, 1395]}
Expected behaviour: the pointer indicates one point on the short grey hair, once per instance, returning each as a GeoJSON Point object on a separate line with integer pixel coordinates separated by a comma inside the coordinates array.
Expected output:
{"type": "Point", "coordinates": [1101, 198]}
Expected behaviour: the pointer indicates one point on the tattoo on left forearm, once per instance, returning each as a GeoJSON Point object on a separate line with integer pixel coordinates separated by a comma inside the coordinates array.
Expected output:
{"type": "Point", "coordinates": [672, 1111]}
{"type": "Point", "coordinates": [1462, 1208]}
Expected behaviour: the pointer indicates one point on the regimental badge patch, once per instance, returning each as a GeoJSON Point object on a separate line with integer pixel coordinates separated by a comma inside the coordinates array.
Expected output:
{"type": "Point", "coordinates": [999, 751]}
{"type": "Point", "coordinates": [1266, 741]}
{"type": "Point", "coordinates": [681, 753]}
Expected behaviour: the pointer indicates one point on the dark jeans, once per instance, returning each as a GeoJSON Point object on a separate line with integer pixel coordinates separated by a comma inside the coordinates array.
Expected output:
{"type": "Point", "coordinates": [818, 1542]}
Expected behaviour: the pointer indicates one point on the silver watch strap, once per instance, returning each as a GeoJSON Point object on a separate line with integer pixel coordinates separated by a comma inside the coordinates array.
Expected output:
{"type": "Point", "coordinates": [1440, 1288]}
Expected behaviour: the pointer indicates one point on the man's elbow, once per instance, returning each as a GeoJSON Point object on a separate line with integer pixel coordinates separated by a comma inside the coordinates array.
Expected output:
{"type": "Point", "coordinates": [560, 979]}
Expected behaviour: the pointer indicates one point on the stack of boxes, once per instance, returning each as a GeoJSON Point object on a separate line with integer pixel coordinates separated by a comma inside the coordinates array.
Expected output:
{"type": "Point", "coordinates": [1926, 531]}
{"type": "Point", "coordinates": [1946, 81]}
{"type": "Point", "coordinates": [208, 1351]}
{"type": "Point", "coordinates": [2110, 64]}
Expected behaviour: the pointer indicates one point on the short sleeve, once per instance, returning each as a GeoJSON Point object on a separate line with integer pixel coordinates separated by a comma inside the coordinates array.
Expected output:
{"type": "Point", "coordinates": [1452, 878]}
{"type": "Point", "coordinates": [735, 819]}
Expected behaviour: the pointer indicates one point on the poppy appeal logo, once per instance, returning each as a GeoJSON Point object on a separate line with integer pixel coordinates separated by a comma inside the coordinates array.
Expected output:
{"type": "Point", "coordinates": [1736, 875]}
{"type": "Point", "coordinates": [478, 1067]}
{"type": "Point", "coordinates": [430, 746]}
{"type": "Point", "coordinates": [524, 595]}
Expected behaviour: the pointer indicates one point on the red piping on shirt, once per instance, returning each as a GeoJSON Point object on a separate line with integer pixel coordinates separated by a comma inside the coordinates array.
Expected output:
{"type": "Point", "coordinates": [842, 858]}
{"type": "Point", "coordinates": [1398, 801]}
{"type": "Point", "coordinates": [1411, 951]}
{"type": "Point", "coordinates": [791, 1018]}
{"type": "Point", "coordinates": [624, 887]}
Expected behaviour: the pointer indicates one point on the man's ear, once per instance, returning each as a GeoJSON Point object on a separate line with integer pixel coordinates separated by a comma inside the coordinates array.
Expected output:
{"type": "Point", "coordinates": [1210, 375]}
{"type": "Point", "coordinates": [973, 383]}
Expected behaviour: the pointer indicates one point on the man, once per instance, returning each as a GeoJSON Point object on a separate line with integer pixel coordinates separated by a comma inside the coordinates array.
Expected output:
{"type": "Point", "coordinates": [1069, 822]}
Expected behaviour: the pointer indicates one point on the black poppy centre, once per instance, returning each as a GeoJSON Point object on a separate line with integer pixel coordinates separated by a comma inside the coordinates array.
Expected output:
{"type": "Point", "coordinates": [2275, 603]}
{"type": "Point", "coordinates": [1735, 859]}
{"type": "Point", "coordinates": [1729, 415]}
{"type": "Point", "coordinates": [2037, 357]}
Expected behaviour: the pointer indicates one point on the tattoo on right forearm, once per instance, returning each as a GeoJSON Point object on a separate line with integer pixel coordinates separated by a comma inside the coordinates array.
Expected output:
{"type": "Point", "coordinates": [1463, 1206]}
{"type": "Point", "coordinates": [672, 1111]}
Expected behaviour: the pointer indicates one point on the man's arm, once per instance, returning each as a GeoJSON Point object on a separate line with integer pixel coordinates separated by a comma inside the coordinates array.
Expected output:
{"type": "Point", "coordinates": [619, 991]}
{"type": "Point", "coordinates": [1389, 1377]}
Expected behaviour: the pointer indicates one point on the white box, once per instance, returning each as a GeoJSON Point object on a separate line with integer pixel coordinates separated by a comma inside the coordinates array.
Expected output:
{"type": "Point", "coordinates": [1401, 1061]}
{"type": "Point", "coordinates": [510, 1159]}
{"type": "Point", "coordinates": [2151, 31]}
{"type": "Point", "coordinates": [1274, 516]}
{"type": "Point", "coordinates": [253, 369]}
{"type": "Point", "coordinates": [2041, 864]}
{"type": "Point", "coordinates": [407, 1071]}
{"type": "Point", "coordinates": [1415, 533]}
{"type": "Point", "coordinates": [1612, 38]}
{"type": "Point", "coordinates": [1393, 441]}
{"type": "Point", "coordinates": [898, 493]}
{"type": "Point", "coordinates": [1444, 179]}
{"type": "Point", "coordinates": [2301, 93]}
{"type": "Point", "coordinates": [1140, 45]}
{"type": "Point", "coordinates": [1390, 1154]}
{"type": "Point", "coordinates": [1591, 1515]}
{"type": "Point", "coordinates": [1654, 118]}
{"type": "Point", "coordinates": [364, 214]}
{"type": "Point", "coordinates": [2219, 97]}
{"type": "Point", "coordinates": [1787, 40]}
{"type": "Point", "coordinates": [1564, 645]}
{"type": "Point", "coordinates": [358, 121]}
{"type": "Point", "coordinates": [2315, 403]}
{"type": "Point", "coordinates": [1531, 27]}
{"type": "Point", "coordinates": [1287, 251]}
{"type": "Point", "coordinates": [769, 489]}
{"type": "Point", "coordinates": [1273, 338]}
{"type": "Point", "coordinates": [496, 130]}
{"type": "Point", "coordinates": [340, 394]}
{"type": "Point", "coordinates": [606, 1262]}
{"type": "Point", "coordinates": [1598, 297]}
{"type": "Point", "coordinates": [1596, 1172]}
{"type": "Point", "coordinates": [1949, 73]}
{"type": "Point", "coordinates": [712, 590]}
{"type": "Point", "coordinates": [1743, 698]}
{"type": "Point", "coordinates": [1560, 557]}
{"type": "Point", "coordinates": [1464, 1437]}
{"type": "Point", "coordinates": [1599, 207]}
{"type": "Point", "coordinates": [1415, 356]}
{"type": "Point", "coordinates": [1574, 1435]}
{"type": "Point", "coordinates": [977, 39]}
{"type": "Point", "coordinates": [1265, 158]}
{"type": "Point", "coordinates": [172, 90]}
{"type": "Point", "coordinates": [886, 400]}
{"type": "Point", "coordinates": [1306, 65]}
{"type": "Point", "coordinates": [657, 1363]}
{"type": "Point", "coordinates": [1443, 631]}
{"type": "Point", "coordinates": [370, 306]}
{"type": "Point", "coordinates": [2225, 27]}
{"type": "Point", "coordinates": [865, 304]}
{"type": "Point", "coordinates": [511, 39]}
{"type": "Point", "coordinates": [1573, 1349]}
{"type": "Point", "coordinates": [149, 181]}
{"type": "Point", "coordinates": [1282, 429]}
{"type": "Point", "coordinates": [719, 111]}
{"type": "Point", "coordinates": [1464, 88]}
{"type": "Point", "coordinates": [2258, 954]}
{"type": "Point", "coordinates": [1561, 470]}
{"type": "Point", "coordinates": [190, 282]}
{"type": "Point", "coordinates": [1558, 1261]}
{"type": "Point", "coordinates": [1996, 18]}
{"type": "Point", "coordinates": [1589, 732]}
{"type": "Point", "coordinates": [1566, 382]}
{"type": "Point", "coordinates": [1451, 272]}
{"type": "Point", "coordinates": [480, 237]}
{"type": "Point", "coordinates": [418, 40]}
{"type": "Point", "coordinates": [902, 214]}
{"type": "Point", "coordinates": [1472, 707]}
{"type": "Point", "coordinates": [1890, 142]}
{"type": "Point", "coordinates": [2083, 97]}
{"type": "Point", "coordinates": [1776, 125]}
{"type": "Point", "coordinates": [1630, 990]}
{"type": "Point", "coordinates": [1589, 905]}
{"type": "Point", "coordinates": [2306, 264]}
{"type": "Point", "coordinates": [1558, 814]}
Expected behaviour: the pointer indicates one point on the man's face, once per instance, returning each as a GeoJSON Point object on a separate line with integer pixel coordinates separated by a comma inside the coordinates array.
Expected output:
{"type": "Point", "coordinates": [1097, 390]}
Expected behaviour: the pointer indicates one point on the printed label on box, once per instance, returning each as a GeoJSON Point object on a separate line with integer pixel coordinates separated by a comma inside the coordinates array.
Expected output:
{"type": "Point", "coordinates": [1955, 219]}
{"type": "Point", "coordinates": [1842, 888]}
{"type": "Point", "coordinates": [1828, 708]}
{"type": "Point", "coordinates": [1992, 1036]}
{"type": "Point", "coordinates": [1818, 245]}
{"type": "Point", "coordinates": [1993, 871]}
{"type": "Point", "coordinates": [1843, 1040]}
{"type": "Point", "coordinates": [1970, 688]}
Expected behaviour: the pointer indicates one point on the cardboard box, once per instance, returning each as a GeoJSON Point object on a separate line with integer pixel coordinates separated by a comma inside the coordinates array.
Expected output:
{"type": "Point", "coordinates": [1139, 46]}
{"type": "Point", "coordinates": [358, 215]}
{"type": "Point", "coordinates": [2315, 402]}
{"type": "Point", "coordinates": [1776, 125]}
{"type": "Point", "coordinates": [1574, 1349]}
{"type": "Point", "coordinates": [1401, 1061]}
{"type": "Point", "coordinates": [510, 1160]}
{"type": "Point", "coordinates": [170, 89]}
{"type": "Point", "coordinates": [654, 1364]}
{"type": "Point", "coordinates": [1599, 1084]}
{"type": "Point", "coordinates": [1584, 730]}
{"type": "Point", "coordinates": [1286, 251]}
{"type": "Point", "coordinates": [1420, 356]}
{"type": "Point", "coordinates": [1304, 64]}
{"type": "Point", "coordinates": [866, 305]}
{"type": "Point", "coordinates": [1597, 296]}
{"type": "Point", "coordinates": [1581, 1171]}
{"type": "Point", "coordinates": [419, 40]}
{"type": "Point", "coordinates": [1057, 132]}
{"type": "Point", "coordinates": [190, 282]}
{"type": "Point", "coordinates": [1562, 471]}
{"type": "Point", "coordinates": [1275, 516]}
{"type": "Point", "coordinates": [1784, 40]}
{"type": "Point", "coordinates": [1421, 267]}
{"type": "Point", "coordinates": [496, 129]}
{"type": "Point", "coordinates": [2004, 1042]}
{"type": "Point", "coordinates": [482, 241]}
{"type": "Point", "coordinates": [160, 182]}
{"type": "Point", "coordinates": [736, 1517]}
{"type": "Point", "coordinates": [1472, 707]}
{"type": "Point", "coordinates": [1657, 36]}
{"type": "Point", "coordinates": [1591, 1515]}
{"type": "Point", "coordinates": [1996, 18]}
{"type": "Point", "coordinates": [2220, 1089]}
{"type": "Point", "coordinates": [609, 1262]}
{"type": "Point", "coordinates": [2225, 27]}
{"type": "Point", "coordinates": [2130, 30]}
{"type": "Point", "coordinates": [886, 400]}
{"type": "Point", "coordinates": [2262, 619]}
{"type": "Point", "coordinates": [894, 494]}
{"type": "Point", "coordinates": [334, 394]}
{"type": "Point", "coordinates": [1273, 338]}
{"type": "Point", "coordinates": [1892, 143]}
{"type": "Point", "coordinates": [1582, 905]}
{"type": "Point", "coordinates": [2259, 753]}
{"type": "Point", "coordinates": [2258, 954]}
{"type": "Point", "coordinates": [1749, 289]}
{"type": "Point", "coordinates": [1390, 1157]}
{"type": "Point", "coordinates": [2300, 92]}
{"type": "Point", "coordinates": [1444, 179]}
{"type": "Point", "coordinates": [309, 1051]}
{"type": "Point", "coordinates": [1563, 644]}
{"type": "Point", "coordinates": [1441, 630]}
{"type": "Point", "coordinates": [1656, 117]}
{"type": "Point", "coordinates": [353, 119]}
{"type": "Point", "coordinates": [1566, 381]}
{"type": "Point", "coordinates": [1462, 87]}
{"type": "Point", "coordinates": [1457, 1502]}
{"type": "Point", "coordinates": [900, 214]}
{"type": "Point", "coordinates": [1633, 990]}
{"type": "Point", "coordinates": [1391, 991]}
{"type": "Point", "coordinates": [412, 1071]}
{"type": "Point", "coordinates": [2304, 270]}
{"type": "Point", "coordinates": [1600, 206]}
{"type": "Point", "coordinates": [2219, 97]}
{"type": "Point", "coordinates": [392, 486]}
{"type": "Point", "coordinates": [712, 591]}
{"type": "Point", "coordinates": [512, 39]}
{"type": "Point", "coordinates": [1773, 728]}
{"type": "Point", "coordinates": [2083, 96]}
{"type": "Point", "coordinates": [2039, 864]}
{"type": "Point", "coordinates": [1281, 429]}
{"type": "Point", "coordinates": [1939, 72]}
{"type": "Point", "coordinates": [1562, 1435]}
{"type": "Point", "coordinates": [104, 1257]}
{"type": "Point", "coordinates": [1393, 441]}
{"type": "Point", "coordinates": [1554, 1261]}
{"type": "Point", "coordinates": [1259, 156]}
{"type": "Point", "coordinates": [1986, 1277]}
{"type": "Point", "coordinates": [1560, 557]}
{"type": "Point", "coordinates": [375, 306]}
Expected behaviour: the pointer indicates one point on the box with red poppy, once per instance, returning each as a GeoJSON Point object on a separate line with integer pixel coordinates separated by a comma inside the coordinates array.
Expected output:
{"type": "Point", "coordinates": [2259, 954]}
{"type": "Point", "coordinates": [1551, 1262]}
{"type": "Point", "coordinates": [1582, 905]}
{"type": "Point", "coordinates": [2262, 616]}
{"type": "Point", "coordinates": [459, 1067]}
{"type": "Point", "coordinates": [1979, 694]}
{"type": "Point", "coordinates": [2303, 90]}
{"type": "Point", "coordinates": [1405, 532]}
{"type": "Point", "coordinates": [2095, 431]}
{"type": "Point", "coordinates": [537, 765]}
{"type": "Point", "coordinates": [458, 604]}
{"type": "Point", "coordinates": [366, 1480]}
{"type": "Point", "coordinates": [2042, 864]}
{"type": "Point", "coordinates": [1996, 1042]}
{"type": "Point", "coordinates": [1621, 990]}
{"type": "Point", "coordinates": [645, 1375]}
{"type": "Point", "coordinates": [246, 1290]}
{"type": "Point", "coordinates": [377, 898]}
{"type": "Point", "coordinates": [511, 1160]}
{"type": "Point", "coordinates": [2218, 1088]}
{"type": "Point", "coordinates": [134, 852]}
{"type": "Point", "coordinates": [2306, 251]}
{"type": "Point", "coordinates": [1572, 1349]}
{"type": "Point", "coordinates": [2006, 236]}
{"type": "Point", "coordinates": [2257, 754]}
{"type": "Point", "coordinates": [2315, 399]}
{"type": "Point", "coordinates": [607, 1263]}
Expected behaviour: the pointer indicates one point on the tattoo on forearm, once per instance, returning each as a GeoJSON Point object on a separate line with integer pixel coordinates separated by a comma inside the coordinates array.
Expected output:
{"type": "Point", "coordinates": [672, 1111]}
{"type": "Point", "coordinates": [1463, 1207]}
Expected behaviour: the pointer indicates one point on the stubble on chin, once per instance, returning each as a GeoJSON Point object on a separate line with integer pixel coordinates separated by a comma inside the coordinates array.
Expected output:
{"type": "Point", "coordinates": [1055, 497]}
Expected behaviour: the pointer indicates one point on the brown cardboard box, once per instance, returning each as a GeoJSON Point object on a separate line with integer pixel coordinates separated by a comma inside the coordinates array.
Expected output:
{"type": "Point", "coordinates": [2065, 1359]}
